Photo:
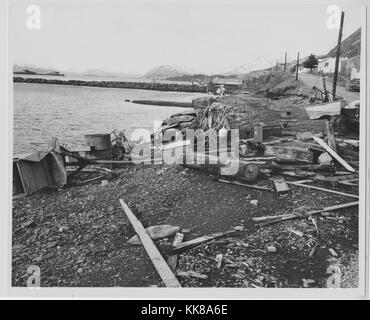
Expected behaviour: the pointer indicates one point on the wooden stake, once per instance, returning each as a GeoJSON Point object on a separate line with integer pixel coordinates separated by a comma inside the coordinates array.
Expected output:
{"type": "Point", "coordinates": [159, 263]}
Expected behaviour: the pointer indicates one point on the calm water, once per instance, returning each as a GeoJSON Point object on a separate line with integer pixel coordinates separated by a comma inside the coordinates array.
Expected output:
{"type": "Point", "coordinates": [42, 111]}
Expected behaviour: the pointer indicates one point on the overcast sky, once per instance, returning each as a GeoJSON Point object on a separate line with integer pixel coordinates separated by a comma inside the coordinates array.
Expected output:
{"type": "Point", "coordinates": [209, 38]}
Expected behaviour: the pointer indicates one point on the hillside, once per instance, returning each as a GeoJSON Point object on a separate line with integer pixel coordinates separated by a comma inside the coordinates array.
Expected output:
{"type": "Point", "coordinates": [350, 46]}
{"type": "Point", "coordinates": [165, 72]}
{"type": "Point", "coordinates": [34, 70]}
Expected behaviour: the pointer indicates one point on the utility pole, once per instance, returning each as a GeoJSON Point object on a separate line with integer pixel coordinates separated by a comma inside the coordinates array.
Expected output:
{"type": "Point", "coordinates": [296, 68]}
{"type": "Point", "coordinates": [285, 62]}
{"type": "Point", "coordinates": [338, 55]}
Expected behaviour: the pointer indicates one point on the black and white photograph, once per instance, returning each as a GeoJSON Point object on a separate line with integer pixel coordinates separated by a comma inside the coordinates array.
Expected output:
{"type": "Point", "coordinates": [210, 144]}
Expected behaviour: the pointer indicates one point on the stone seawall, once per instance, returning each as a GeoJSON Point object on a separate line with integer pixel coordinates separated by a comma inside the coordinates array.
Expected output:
{"type": "Point", "coordinates": [122, 84]}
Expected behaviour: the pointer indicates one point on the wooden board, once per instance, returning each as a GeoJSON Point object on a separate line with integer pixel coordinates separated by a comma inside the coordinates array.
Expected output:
{"type": "Point", "coordinates": [266, 220]}
{"type": "Point", "coordinates": [289, 154]}
{"type": "Point", "coordinates": [334, 154]}
{"type": "Point", "coordinates": [159, 263]}
{"type": "Point", "coordinates": [197, 241]}
{"type": "Point", "coordinates": [323, 189]}
{"type": "Point", "coordinates": [172, 259]}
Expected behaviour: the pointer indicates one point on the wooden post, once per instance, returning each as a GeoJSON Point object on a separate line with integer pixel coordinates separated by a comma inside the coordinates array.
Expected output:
{"type": "Point", "coordinates": [297, 66]}
{"type": "Point", "coordinates": [338, 55]}
{"type": "Point", "coordinates": [324, 87]}
{"type": "Point", "coordinates": [285, 62]}
{"type": "Point", "coordinates": [330, 134]}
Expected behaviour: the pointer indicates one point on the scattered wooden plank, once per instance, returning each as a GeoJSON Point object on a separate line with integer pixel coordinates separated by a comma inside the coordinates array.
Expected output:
{"type": "Point", "coordinates": [290, 216]}
{"type": "Point", "coordinates": [349, 183]}
{"type": "Point", "coordinates": [159, 263]}
{"type": "Point", "coordinates": [172, 259]}
{"type": "Point", "coordinates": [281, 185]}
{"type": "Point", "coordinates": [352, 142]}
{"type": "Point", "coordinates": [192, 274]}
{"type": "Point", "coordinates": [18, 196]}
{"type": "Point", "coordinates": [278, 141]}
{"type": "Point", "coordinates": [289, 154]}
{"type": "Point", "coordinates": [197, 241]}
{"type": "Point", "coordinates": [334, 154]}
{"type": "Point", "coordinates": [312, 167]}
{"type": "Point", "coordinates": [244, 185]}
{"type": "Point", "coordinates": [304, 181]}
{"type": "Point", "coordinates": [323, 189]}
{"type": "Point", "coordinates": [335, 179]}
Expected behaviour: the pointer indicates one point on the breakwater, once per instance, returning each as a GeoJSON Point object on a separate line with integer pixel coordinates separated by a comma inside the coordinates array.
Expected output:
{"type": "Point", "coordinates": [164, 103]}
{"type": "Point", "coordinates": [176, 87]}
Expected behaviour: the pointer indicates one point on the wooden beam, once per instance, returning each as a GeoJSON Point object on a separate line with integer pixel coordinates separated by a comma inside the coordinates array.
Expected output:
{"type": "Point", "coordinates": [172, 259]}
{"type": "Point", "coordinates": [323, 189]}
{"type": "Point", "coordinates": [244, 185]}
{"type": "Point", "coordinates": [289, 154]}
{"type": "Point", "coordinates": [192, 274]}
{"type": "Point", "coordinates": [197, 241]}
{"type": "Point", "coordinates": [334, 154]}
{"type": "Point", "coordinates": [159, 263]}
{"type": "Point", "coordinates": [289, 216]}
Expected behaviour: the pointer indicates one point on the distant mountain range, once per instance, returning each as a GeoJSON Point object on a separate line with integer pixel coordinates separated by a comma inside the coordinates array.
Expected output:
{"type": "Point", "coordinates": [35, 70]}
{"type": "Point", "coordinates": [165, 72]}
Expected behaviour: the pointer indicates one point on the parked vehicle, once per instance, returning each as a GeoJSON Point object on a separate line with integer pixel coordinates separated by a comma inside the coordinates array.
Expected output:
{"type": "Point", "coordinates": [353, 85]}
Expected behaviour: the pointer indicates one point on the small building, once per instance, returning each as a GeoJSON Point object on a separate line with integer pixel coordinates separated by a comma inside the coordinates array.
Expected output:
{"type": "Point", "coordinates": [353, 67]}
{"type": "Point", "coordinates": [326, 65]}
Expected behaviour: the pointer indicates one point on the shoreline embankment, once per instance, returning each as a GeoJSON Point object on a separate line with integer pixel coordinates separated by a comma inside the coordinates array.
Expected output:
{"type": "Point", "coordinates": [156, 86]}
